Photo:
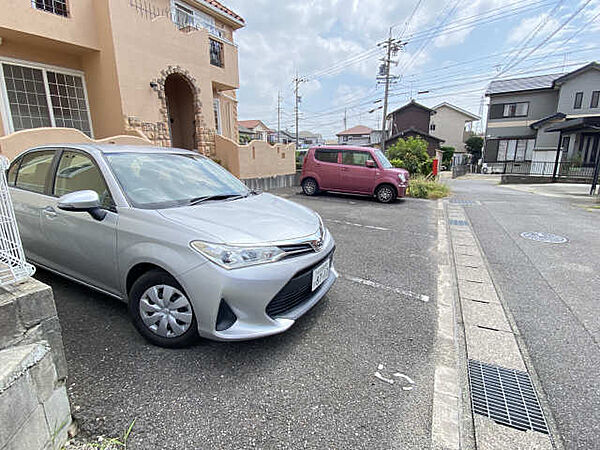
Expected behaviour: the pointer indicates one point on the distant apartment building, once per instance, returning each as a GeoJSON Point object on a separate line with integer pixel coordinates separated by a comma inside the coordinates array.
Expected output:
{"type": "Point", "coordinates": [545, 118]}
{"type": "Point", "coordinates": [452, 124]}
{"type": "Point", "coordinates": [359, 135]}
{"type": "Point", "coordinates": [412, 120]}
{"type": "Point", "coordinates": [165, 68]}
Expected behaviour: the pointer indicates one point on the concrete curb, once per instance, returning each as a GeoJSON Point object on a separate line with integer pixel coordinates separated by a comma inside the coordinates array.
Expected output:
{"type": "Point", "coordinates": [490, 335]}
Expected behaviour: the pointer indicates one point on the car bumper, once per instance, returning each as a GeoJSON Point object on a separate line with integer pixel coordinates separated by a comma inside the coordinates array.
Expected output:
{"type": "Point", "coordinates": [402, 187]}
{"type": "Point", "coordinates": [248, 291]}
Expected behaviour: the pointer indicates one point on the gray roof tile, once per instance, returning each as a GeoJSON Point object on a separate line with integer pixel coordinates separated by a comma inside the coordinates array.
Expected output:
{"type": "Point", "coordinates": [522, 84]}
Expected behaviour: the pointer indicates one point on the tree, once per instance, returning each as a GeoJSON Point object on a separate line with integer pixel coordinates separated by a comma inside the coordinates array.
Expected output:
{"type": "Point", "coordinates": [474, 145]}
{"type": "Point", "coordinates": [412, 152]}
{"type": "Point", "coordinates": [447, 154]}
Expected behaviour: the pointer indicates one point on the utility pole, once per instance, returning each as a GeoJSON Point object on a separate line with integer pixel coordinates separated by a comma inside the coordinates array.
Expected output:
{"type": "Point", "coordinates": [279, 117]}
{"type": "Point", "coordinates": [297, 82]}
{"type": "Point", "coordinates": [392, 47]}
{"type": "Point", "coordinates": [345, 119]}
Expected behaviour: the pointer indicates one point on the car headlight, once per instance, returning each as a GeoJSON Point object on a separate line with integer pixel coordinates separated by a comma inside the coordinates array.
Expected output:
{"type": "Point", "coordinates": [402, 177]}
{"type": "Point", "coordinates": [233, 257]}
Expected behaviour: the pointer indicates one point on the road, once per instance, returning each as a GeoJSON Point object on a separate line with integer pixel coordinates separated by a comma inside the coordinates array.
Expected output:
{"type": "Point", "coordinates": [551, 290]}
{"type": "Point", "coordinates": [312, 386]}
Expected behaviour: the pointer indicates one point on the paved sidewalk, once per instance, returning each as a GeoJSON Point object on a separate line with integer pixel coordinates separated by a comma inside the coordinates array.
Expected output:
{"type": "Point", "coordinates": [551, 291]}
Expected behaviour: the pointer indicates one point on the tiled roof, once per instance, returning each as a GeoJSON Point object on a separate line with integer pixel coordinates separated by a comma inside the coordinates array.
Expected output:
{"type": "Point", "coordinates": [522, 84]}
{"type": "Point", "coordinates": [251, 124]}
{"type": "Point", "coordinates": [225, 9]}
{"type": "Point", "coordinates": [411, 103]}
{"type": "Point", "coordinates": [358, 129]}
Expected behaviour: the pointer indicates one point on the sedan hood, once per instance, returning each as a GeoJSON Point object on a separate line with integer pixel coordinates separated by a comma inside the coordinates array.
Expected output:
{"type": "Point", "coordinates": [251, 220]}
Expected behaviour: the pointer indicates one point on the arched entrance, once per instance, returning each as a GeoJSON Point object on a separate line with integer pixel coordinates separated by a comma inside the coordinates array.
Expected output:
{"type": "Point", "coordinates": [180, 105]}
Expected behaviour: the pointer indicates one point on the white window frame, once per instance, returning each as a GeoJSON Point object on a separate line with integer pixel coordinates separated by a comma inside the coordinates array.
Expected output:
{"type": "Point", "coordinates": [217, 109]}
{"type": "Point", "coordinates": [7, 120]}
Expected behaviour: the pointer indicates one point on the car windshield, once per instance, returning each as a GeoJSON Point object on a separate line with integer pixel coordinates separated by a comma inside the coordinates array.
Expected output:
{"type": "Point", "coordinates": [165, 180]}
{"type": "Point", "coordinates": [385, 163]}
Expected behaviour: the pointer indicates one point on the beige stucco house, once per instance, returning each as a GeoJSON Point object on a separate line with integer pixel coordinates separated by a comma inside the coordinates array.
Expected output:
{"type": "Point", "coordinates": [165, 68]}
{"type": "Point", "coordinates": [452, 124]}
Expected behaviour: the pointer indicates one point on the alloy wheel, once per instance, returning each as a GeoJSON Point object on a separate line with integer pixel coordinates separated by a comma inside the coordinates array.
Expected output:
{"type": "Point", "coordinates": [385, 194]}
{"type": "Point", "coordinates": [310, 187]}
{"type": "Point", "coordinates": [165, 311]}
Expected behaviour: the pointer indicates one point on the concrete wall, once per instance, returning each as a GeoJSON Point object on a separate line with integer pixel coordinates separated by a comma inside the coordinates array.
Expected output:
{"type": "Point", "coordinates": [450, 126]}
{"type": "Point", "coordinates": [586, 82]}
{"type": "Point", "coordinates": [15, 143]}
{"type": "Point", "coordinates": [257, 159]}
{"type": "Point", "coordinates": [34, 407]}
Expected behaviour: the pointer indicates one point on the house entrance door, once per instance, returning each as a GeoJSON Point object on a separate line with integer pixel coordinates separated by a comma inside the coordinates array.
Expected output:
{"type": "Point", "coordinates": [180, 105]}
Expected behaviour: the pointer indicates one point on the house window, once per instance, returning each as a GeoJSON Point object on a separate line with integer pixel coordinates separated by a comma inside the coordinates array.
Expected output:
{"type": "Point", "coordinates": [505, 110]}
{"type": "Point", "coordinates": [216, 53]}
{"type": "Point", "coordinates": [515, 149]}
{"type": "Point", "coordinates": [217, 112]}
{"type": "Point", "coordinates": [58, 7]}
{"type": "Point", "coordinates": [578, 100]}
{"type": "Point", "coordinates": [432, 127]}
{"type": "Point", "coordinates": [565, 143]}
{"type": "Point", "coordinates": [185, 16]}
{"type": "Point", "coordinates": [38, 97]}
{"type": "Point", "coordinates": [594, 102]}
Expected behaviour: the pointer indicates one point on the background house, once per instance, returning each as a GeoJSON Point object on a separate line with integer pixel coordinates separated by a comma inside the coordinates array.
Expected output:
{"type": "Point", "coordinates": [310, 139]}
{"type": "Point", "coordinates": [359, 135]}
{"type": "Point", "coordinates": [452, 124]}
{"type": "Point", "coordinates": [259, 130]}
{"type": "Point", "coordinates": [106, 68]}
{"type": "Point", "coordinates": [545, 118]}
{"type": "Point", "coordinates": [412, 119]}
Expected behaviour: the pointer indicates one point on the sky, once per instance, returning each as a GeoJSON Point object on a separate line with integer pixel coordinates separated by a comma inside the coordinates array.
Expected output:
{"type": "Point", "coordinates": [452, 50]}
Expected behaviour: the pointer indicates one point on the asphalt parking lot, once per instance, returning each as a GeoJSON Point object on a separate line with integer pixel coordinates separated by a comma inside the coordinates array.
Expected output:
{"type": "Point", "coordinates": [313, 386]}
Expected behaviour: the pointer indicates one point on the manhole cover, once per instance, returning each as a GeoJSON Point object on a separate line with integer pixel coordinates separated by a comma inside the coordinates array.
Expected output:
{"type": "Point", "coordinates": [544, 237]}
{"type": "Point", "coordinates": [505, 396]}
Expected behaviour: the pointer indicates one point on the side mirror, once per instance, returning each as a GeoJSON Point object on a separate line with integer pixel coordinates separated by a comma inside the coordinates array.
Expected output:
{"type": "Point", "coordinates": [370, 163]}
{"type": "Point", "coordinates": [80, 201]}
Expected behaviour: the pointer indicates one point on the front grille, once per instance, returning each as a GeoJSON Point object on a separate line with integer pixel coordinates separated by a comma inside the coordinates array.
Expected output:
{"type": "Point", "coordinates": [297, 249]}
{"type": "Point", "coordinates": [295, 292]}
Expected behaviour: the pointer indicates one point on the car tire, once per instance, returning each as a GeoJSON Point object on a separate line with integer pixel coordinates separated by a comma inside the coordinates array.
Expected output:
{"type": "Point", "coordinates": [310, 187]}
{"type": "Point", "coordinates": [385, 194]}
{"type": "Point", "coordinates": [161, 310]}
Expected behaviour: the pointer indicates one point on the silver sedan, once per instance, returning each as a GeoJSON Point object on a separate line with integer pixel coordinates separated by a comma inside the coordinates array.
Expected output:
{"type": "Point", "coordinates": [184, 242]}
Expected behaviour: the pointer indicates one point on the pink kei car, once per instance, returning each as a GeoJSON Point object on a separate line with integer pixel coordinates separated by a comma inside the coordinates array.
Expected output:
{"type": "Point", "coordinates": [355, 170]}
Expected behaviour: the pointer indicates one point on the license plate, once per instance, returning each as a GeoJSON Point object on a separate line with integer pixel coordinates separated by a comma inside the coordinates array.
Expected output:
{"type": "Point", "coordinates": [320, 274]}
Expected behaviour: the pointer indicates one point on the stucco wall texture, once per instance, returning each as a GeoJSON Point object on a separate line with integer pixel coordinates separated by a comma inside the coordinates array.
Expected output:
{"type": "Point", "coordinates": [121, 50]}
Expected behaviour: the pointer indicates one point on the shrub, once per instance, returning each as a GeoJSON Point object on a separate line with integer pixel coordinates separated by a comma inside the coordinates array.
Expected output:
{"type": "Point", "coordinates": [447, 154]}
{"type": "Point", "coordinates": [474, 145]}
{"type": "Point", "coordinates": [413, 153]}
{"type": "Point", "coordinates": [422, 187]}
{"type": "Point", "coordinates": [398, 163]}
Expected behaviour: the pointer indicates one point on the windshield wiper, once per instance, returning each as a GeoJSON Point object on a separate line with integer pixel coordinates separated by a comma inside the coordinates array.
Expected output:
{"type": "Point", "coordinates": [198, 200]}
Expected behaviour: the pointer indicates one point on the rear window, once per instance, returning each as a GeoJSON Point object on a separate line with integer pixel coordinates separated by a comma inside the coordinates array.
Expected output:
{"type": "Point", "coordinates": [326, 155]}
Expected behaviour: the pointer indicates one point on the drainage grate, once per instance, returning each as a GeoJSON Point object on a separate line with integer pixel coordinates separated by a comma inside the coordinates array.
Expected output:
{"type": "Point", "coordinates": [544, 237]}
{"type": "Point", "coordinates": [506, 396]}
{"type": "Point", "coordinates": [458, 201]}
{"type": "Point", "coordinates": [461, 223]}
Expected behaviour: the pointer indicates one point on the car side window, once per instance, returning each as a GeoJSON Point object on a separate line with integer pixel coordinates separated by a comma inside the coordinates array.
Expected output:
{"type": "Point", "coordinates": [326, 155]}
{"type": "Point", "coordinates": [33, 171]}
{"type": "Point", "coordinates": [77, 172]}
{"type": "Point", "coordinates": [12, 172]}
{"type": "Point", "coordinates": [355, 158]}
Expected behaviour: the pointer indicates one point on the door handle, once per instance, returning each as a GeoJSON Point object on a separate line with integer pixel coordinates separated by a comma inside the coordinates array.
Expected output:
{"type": "Point", "coordinates": [49, 212]}
{"type": "Point", "coordinates": [344, 169]}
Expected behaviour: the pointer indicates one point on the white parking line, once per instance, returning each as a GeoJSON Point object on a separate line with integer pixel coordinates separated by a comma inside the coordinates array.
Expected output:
{"type": "Point", "coordinates": [376, 285]}
{"type": "Point", "coordinates": [370, 227]}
